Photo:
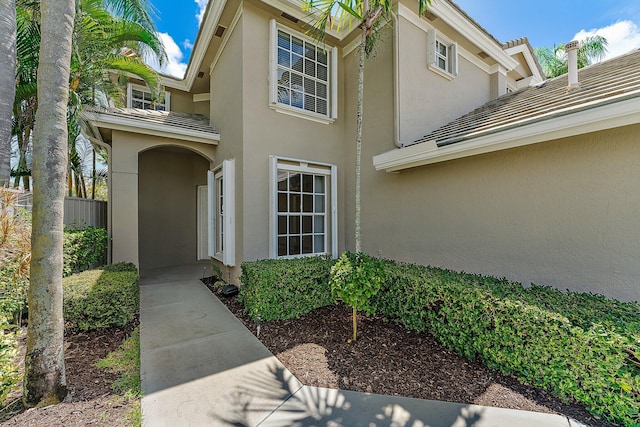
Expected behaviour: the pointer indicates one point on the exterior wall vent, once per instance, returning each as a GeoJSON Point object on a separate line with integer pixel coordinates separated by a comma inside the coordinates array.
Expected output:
{"type": "Point", "coordinates": [482, 54]}
{"type": "Point", "coordinates": [289, 17]}
{"type": "Point", "coordinates": [201, 74]}
{"type": "Point", "coordinates": [430, 16]}
{"type": "Point", "coordinates": [220, 31]}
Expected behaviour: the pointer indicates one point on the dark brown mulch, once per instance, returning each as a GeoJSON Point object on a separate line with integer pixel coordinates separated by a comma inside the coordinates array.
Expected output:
{"type": "Point", "coordinates": [389, 359]}
{"type": "Point", "coordinates": [90, 400]}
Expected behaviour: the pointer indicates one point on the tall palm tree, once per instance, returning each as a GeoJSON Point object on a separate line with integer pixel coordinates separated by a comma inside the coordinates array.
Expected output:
{"type": "Point", "coordinates": [7, 84]}
{"type": "Point", "coordinates": [368, 16]}
{"type": "Point", "coordinates": [555, 61]}
{"type": "Point", "coordinates": [44, 381]}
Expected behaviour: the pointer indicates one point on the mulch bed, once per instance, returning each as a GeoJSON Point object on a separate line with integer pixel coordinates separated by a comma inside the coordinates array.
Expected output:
{"type": "Point", "coordinates": [90, 400]}
{"type": "Point", "coordinates": [389, 359]}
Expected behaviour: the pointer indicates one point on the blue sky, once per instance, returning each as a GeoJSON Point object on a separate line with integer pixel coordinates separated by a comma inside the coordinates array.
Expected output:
{"type": "Point", "coordinates": [544, 22]}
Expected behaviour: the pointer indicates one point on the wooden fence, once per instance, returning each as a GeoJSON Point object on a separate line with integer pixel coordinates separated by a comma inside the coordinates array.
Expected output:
{"type": "Point", "coordinates": [77, 212]}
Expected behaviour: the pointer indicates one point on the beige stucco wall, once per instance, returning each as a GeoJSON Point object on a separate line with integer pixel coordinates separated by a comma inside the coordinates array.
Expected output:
{"type": "Point", "coordinates": [167, 205]}
{"type": "Point", "coordinates": [267, 132]}
{"type": "Point", "coordinates": [124, 176]}
{"type": "Point", "coordinates": [181, 101]}
{"type": "Point", "coordinates": [226, 111]}
{"type": "Point", "coordinates": [427, 99]}
{"type": "Point", "coordinates": [561, 213]}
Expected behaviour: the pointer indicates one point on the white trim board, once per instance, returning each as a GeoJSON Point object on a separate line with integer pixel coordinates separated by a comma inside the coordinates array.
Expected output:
{"type": "Point", "coordinates": [608, 116]}
{"type": "Point", "coordinates": [135, 125]}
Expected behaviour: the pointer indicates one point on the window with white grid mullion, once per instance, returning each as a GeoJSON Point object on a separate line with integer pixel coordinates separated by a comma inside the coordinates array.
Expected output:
{"type": "Point", "coordinates": [302, 214]}
{"type": "Point", "coordinates": [140, 97]}
{"type": "Point", "coordinates": [302, 74]}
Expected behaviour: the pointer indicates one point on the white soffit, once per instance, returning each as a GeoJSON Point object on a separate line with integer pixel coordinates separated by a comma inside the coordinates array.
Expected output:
{"type": "Point", "coordinates": [595, 119]}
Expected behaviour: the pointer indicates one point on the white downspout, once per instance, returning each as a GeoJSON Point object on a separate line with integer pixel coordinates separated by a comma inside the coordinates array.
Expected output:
{"type": "Point", "coordinates": [396, 81]}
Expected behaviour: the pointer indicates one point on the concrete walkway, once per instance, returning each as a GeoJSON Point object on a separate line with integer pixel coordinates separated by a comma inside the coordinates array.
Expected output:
{"type": "Point", "coordinates": [201, 367]}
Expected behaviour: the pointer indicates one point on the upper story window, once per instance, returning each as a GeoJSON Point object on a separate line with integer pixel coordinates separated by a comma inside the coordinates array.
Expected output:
{"type": "Point", "coordinates": [302, 75]}
{"type": "Point", "coordinates": [140, 97]}
{"type": "Point", "coordinates": [443, 55]}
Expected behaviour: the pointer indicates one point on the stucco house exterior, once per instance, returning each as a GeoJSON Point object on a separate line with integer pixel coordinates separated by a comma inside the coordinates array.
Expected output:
{"type": "Point", "coordinates": [471, 159]}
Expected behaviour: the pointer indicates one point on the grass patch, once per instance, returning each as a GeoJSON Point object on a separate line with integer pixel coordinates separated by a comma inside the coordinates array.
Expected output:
{"type": "Point", "coordinates": [125, 361]}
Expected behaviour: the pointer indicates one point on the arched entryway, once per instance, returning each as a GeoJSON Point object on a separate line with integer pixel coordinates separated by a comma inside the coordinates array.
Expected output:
{"type": "Point", "coordinates": [168, 180]}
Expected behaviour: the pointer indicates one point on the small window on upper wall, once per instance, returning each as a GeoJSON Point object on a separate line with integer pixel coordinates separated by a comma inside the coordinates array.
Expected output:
{"type": "Point", "coordinates": [302, 79]}
{"type": "Point", "coordinates": [442, 55]}
{"type": "Point", "coordinates": [140, 97]}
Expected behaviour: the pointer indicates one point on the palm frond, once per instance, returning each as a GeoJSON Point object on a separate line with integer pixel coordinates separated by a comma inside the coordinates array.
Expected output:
{"type": "Point", "coordinates": [138, 68]}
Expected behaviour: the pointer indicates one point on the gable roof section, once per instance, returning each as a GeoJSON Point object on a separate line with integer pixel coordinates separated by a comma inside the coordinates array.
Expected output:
{"type": "Point", "coordinates": [609, 96]}
{"type": "Point", "coordinates": [523, 46]}
{"type": "Point", "coordinates": [170, 124]}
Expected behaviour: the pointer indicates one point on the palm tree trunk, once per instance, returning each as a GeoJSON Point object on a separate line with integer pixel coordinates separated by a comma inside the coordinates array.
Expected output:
{"type": "Point", "coordinates": [44, 381]}
{"type": "Point", "coordinates": [7, 84]}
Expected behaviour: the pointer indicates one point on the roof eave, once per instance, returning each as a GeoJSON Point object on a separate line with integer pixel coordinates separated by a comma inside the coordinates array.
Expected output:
{"type": "Point", "coordinates": [133, 125]}
{"type": "Point", "coordinates": [465, 26]}
{"type": "Point", "coordinates": [622, 113]}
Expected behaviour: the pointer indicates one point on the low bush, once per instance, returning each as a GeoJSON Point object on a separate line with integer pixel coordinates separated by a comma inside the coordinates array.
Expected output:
{"type": "Point", "coordinates": [10, 375]}
{"type": "Point", "coordinates": [355, 279]}
{"type": "Point", "coordinates": [84, 248]}
{"type": "Point", "coordinates": [97, 299]}
{"type": "Point", "coordinates": [578, 346]}
{"type": "Point", "coordinates": [15, 255]}
{"type": "Point", "coordinates": [120, 267]}
{"type": "Point", "coordinates": [285, 288]}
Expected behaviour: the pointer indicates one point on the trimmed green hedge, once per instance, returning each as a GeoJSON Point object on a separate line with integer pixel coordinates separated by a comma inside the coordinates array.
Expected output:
{"type": "Point", "coordinates": [84, 248]}
{"type": "Point", "coordinates": [97, 299]}
{"type": "Point", "coordinates": [576, 345]}
{"type": "Point", "coordinates": [282, 289]}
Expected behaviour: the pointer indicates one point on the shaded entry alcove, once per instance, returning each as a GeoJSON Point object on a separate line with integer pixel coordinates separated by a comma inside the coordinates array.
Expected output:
{"type": "Point", "coordinates": [168, 179]}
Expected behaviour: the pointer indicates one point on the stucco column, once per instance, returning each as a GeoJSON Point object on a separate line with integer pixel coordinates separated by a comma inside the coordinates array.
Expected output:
{"type": "Point", "coordinates": [497, 82]}
{"type": "Point", "coordinates": [124, 211]}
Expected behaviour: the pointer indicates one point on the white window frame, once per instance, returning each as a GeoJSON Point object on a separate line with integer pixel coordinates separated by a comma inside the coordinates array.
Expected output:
{"type": "Point", "coordinates": [223, 250]}
{"type": "Point", "coordinates": [332, 91]}
{"type": "Point", "coordinates": [132, 86]}
{"type": "Point", "coordinates": [451, 58]}
{"type": "Point", "coordinates": [330, 171]}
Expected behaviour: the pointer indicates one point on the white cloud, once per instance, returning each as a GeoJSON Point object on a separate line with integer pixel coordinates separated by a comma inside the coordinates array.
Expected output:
{"type": "Point", "coordinates": [622, 37]}
{"type": "Point", "coordinates": [202, 6]}
{"type": "Point", "coordinates": [174, 66]}
{"type": "Point", "coordinates": [187, 44]}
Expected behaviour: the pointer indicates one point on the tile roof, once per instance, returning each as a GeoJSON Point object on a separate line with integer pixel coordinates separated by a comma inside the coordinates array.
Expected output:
{"type": "Point", "coordinates": [178, 121]}
{"type": "Point", "coordinates": [524, 41]}
{"type": "Point", "coordinates": [600, 84]}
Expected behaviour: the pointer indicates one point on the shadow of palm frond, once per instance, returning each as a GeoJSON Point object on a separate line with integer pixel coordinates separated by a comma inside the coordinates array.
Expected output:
{"type": "Point", "coordinates": [276, 398]}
